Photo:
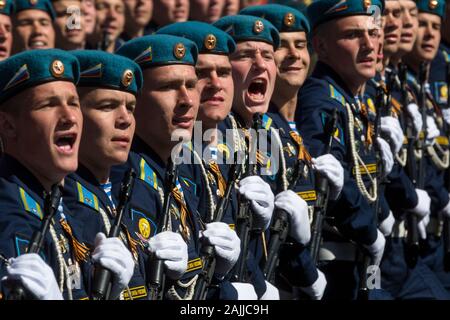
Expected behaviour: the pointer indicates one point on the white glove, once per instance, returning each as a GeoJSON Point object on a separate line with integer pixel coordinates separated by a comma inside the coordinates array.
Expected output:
{"type": "Point", "coordinates": [331, 168]}
{"type": "Point", "coordinates": [245, 291]}
{"type": "Point", "coordinates": [226, 244]}
{"type": "Point", "coordinates": [446, 211]}
{"type": "Point", "coordinates": [170, 246]}
{"type": "Point", "coordinates": [391, 127]}
{"type": "Point", "coordinates": [446, 114]}
{"type": "Point", "coordinates": [261, 198]}
{"type": "Point", "coordinates": [317, 289]}
{"type": "Point", "coordinates": [422, 227]}
{"type": "Point", "coordinates": [297, 209]}
{"type": "Point", "coordinates": [422, 208]}
{"type": "Point", "coordinates": [271, 293]}
{"type": "Point", "coordinates": [376, 249]}
{"type": "Point", "coordinates": [386, 156]}
{"type": "Point", "coordinates": [112, 254]}
{"type": "Point", "coordinates": [432, 131]}
{"type": "Point", "coordinates": [387, 224]}
{"type": "Point", "coordinates": [417, 121]}
{"type": "Point", "coordinates": [36, 276]}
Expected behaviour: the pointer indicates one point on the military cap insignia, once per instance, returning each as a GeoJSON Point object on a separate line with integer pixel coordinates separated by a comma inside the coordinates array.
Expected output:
{"type": "Point", "coordinates": [144, 228]}
{"type": "Point", "coordinates": [2, 4]}
{"type": "Point", "coordinates": [57, 68]}
{"type": "Point", "coordinates": [94, 72]}
{"type": "Point", "coordinates": [21, 75]}
{"type": "Point", "coordinates": [258, 27]}
{"type": "Point", "coordinates": [289, 19]}
{"type": "Point", "coordinates": [145, 56]}
{"type": "Point", "coordinates": [33, 2]}
{"type": "Point", "coordinates": [127, 78]}
{"type": "Point", "coordinates": [432, 4]}
{"type": "Point", "coordinates": [210, 42]}
{"type": "Point", "coordinates": [179, 51]}
{"type": "Point", "coordinates": [367, 4]}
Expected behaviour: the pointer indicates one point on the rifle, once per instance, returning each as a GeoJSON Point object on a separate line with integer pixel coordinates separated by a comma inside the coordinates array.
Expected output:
{"type": "Point", "coordinates": [244, 215]}
{"type": "Point", "coordinates": [207, 251]}
{"type": "Point", "coordinates": [382, 103]}
{"type": "Point", "coordinates": [446, 230]}
{"type": "Point", "coordinates": [412, 239]}
{"type": "Point", "coordinates": [156, 266]}
{"type": "Point", "coordinates": [322, 190]}
{"type": "Point", "coordinates": [101, 286]}
{"type": "Point", "coordinates": [51, 203]}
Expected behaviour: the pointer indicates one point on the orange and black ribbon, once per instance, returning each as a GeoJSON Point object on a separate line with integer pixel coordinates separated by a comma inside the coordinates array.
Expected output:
{"type": "Point", "coordinates": [81, 251]}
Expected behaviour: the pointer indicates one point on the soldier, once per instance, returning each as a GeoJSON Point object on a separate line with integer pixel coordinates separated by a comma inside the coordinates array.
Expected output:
{"type": "Point", "coordinates": [6, 9]}
{"type": "Point", "coordinates": [33, 25]}
{"type": "Point", "coordinates": [89, 13]}
{"type": "Point", "coordinates": [40, 116]}
{"type": "Point", "coordinates": [401, 278]}
{"type": "Point", "coordinates": [70, 33]}
{"type": "Point", "coordinates": [424, 51]}
{"type": "Point", "coordinates": [231, 7]}
{"type": "Point", "coordinates": [107, 88]}
{"type": "Point", "coordinates": [215, 84]}
{"type": "Point", "coordinates": [343, 37]}
{"type": "Point", "coordinates": [165, 113]}
{"type": "Point", "coordinates": [206, 10]}
{"type": "Point", "coordinates": [109, 24]}
{"type": "Point", "coordinates": [168, 11]}
{"type": "Point", "coordinates": [292, 60]}
{"type": "Point", "coordinates": [138, 14]}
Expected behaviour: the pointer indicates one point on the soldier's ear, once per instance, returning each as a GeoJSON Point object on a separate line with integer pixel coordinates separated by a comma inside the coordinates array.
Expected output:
{"type": "Point", "coordinates": [7, 125]}
{"type": "Point", "coordinates": [320, 47]}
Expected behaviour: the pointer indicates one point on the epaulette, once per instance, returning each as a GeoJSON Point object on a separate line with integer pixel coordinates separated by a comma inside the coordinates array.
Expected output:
{"type": "Point", "coordinates": [30, 205]}
{"type": "Point", "coordinates": [87, 197]}
{"type": "Point", "coordinates": [336, 95]}
{"type": "Point", "coordinates": [266, 121]}
{"type": "Point", "coordinates": [147, 175]}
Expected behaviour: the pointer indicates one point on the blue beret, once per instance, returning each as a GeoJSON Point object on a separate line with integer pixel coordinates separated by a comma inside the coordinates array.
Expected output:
{"type": "Point", "coordinates": [300, 5]}
{"type": "Point", "coordinates": [321, 11]}
{"type": "Point", "coordinates": [159, 50]}
{"type": "Point", "coordinates": [107, 70]}
{"type": "Point", "coordinates": [6, 7]}
{"type": "Point", "coordinates": [208, 38]}
{"type": "Point", "coordinates": [436, 7]}
{"type": "Point", "coordinates": [249, 28]}
{"type": "Point", "coordinates": [44, 5]}
{"type": "Point", "coordinates": [284, 18]}
{"type": "Point", "coordinates": [34, 67]}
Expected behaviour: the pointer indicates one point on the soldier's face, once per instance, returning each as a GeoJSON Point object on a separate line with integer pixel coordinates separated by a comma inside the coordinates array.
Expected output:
{"type": "Point", "coordinates": [108, 126]}
{"type": "Point", "coordinates": [292, 59]}
{"type": "Point", "coordinates": [392, 27]}
{"type": "Point", "coordinates": [89, 14]}
{"type": "Point", "coordinates": [138, 13]}
{"type": "Point", "coordinates": [215, 85]}
{"type": "Point", "coordinates": [409, 26]}
{"type": "Point", "coordinates": [168, 104]}
{"type": "Point", "coordinates": [46, 130]}
{"type": "Point", "coordinates": [5, 36]}
{"type": "Point", "coordinates": [68, 24]}
{"type": "Point", "coordinates": [231, 7]}
{"type": "Point", "coordinates": [170, 11]}
{"type": "Point", "coordinates": [350, 48]}
{"type": "Point", "coordinates": [254, 75]}
{"type": "Point", "coordinates": [206, 10]}
{"type": "Point", "coordinates": [33, 29]}
{"type": "Point", "coordinates": [428, 37]}
{"type": "Point", "coordinates": [110, 18]}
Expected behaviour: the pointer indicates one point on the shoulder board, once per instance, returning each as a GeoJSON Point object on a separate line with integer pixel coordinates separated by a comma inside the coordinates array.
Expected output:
{"type": "Point", "coordinates": [30, 205]}
{"type": "Point", "coordinates": [336, 95]}
{"type": "Point", "coordinates": [147, 174]}
{"type": "Point", "coordinates": [87, 197]}
{"type": "Point", "coordinates": [266, 121]}
{"type": "Point", "coordinates": [412, 79]}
